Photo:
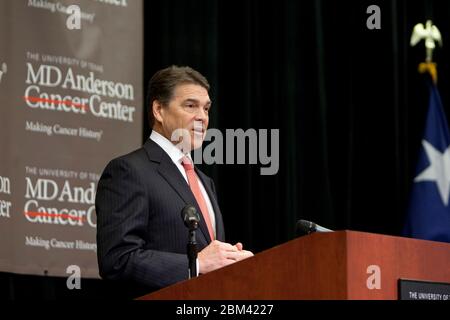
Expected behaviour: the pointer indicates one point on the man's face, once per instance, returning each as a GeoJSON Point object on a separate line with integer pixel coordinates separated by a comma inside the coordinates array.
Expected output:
{"type": "Point", "coordinates": [188, 109]}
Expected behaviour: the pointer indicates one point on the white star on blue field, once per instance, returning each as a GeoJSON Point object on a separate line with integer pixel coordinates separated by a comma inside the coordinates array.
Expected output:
{"type": "Point", "coordinates": [438, 170]}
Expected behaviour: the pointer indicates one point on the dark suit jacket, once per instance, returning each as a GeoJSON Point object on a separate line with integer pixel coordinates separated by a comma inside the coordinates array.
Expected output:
{"type": "Point", "coordinates": [141, 237]}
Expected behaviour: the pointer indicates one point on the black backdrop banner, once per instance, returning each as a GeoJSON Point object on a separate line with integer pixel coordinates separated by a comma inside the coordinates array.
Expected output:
{"type": "Point", "coordinates": [71, 99]}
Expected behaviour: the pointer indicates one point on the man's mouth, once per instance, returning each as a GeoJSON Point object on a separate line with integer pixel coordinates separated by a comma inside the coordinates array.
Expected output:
{"type": "Point", "coordinates": [198, 131]}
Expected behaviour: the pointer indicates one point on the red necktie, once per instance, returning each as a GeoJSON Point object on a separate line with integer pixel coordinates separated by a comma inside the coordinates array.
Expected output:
{"type": "Point", "coordinates": [195, 188]}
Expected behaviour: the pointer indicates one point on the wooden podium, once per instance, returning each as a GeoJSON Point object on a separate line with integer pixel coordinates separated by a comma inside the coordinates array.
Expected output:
{"type": "Point", "coordinates": [336, 265]}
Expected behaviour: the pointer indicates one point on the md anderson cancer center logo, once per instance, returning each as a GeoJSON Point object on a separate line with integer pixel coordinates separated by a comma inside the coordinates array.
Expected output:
{"type": "Point", "coordinates": [98, 91]}
{"type": "Point", "coordinates": [49, 191]}
{"type": "Point", "coordinates": [5, 191]}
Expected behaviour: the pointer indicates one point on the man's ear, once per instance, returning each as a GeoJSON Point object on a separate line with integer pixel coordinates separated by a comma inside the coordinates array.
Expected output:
{"type": "Point", "coordinates": [157, 110]}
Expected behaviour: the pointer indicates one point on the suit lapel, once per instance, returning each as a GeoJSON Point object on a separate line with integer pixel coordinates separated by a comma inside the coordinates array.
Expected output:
{"type": "Point", "coordinates": [169, 171]}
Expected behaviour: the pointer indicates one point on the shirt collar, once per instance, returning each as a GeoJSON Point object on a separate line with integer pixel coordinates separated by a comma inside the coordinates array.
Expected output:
{"type": "Point", "coordinates": [172, 151]}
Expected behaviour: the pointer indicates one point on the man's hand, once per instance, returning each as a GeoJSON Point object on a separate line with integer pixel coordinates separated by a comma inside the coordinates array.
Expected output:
{"type": "Point", "coordinates": [220, 254]}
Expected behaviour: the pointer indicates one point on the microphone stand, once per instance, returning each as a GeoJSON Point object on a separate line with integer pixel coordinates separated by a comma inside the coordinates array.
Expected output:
{"type": "Point", "coordinates": [192, 253]}
{"type": "Point", "coordinates": [191, 219]}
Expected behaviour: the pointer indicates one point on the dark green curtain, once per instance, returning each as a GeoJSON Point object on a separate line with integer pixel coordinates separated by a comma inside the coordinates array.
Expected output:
{"type": "Point", "coordinates": [348, 102]}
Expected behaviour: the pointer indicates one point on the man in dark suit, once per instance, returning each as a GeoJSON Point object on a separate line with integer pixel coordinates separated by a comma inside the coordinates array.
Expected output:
{"type": "Point", "coordinates": [141, 236]}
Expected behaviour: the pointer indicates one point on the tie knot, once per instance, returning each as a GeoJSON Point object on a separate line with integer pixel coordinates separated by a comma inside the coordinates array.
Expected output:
{"type": "Point", "coordinates": [187, 163]}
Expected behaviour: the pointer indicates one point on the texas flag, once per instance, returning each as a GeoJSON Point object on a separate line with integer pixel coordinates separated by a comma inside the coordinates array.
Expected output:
{"type": "Point", "coordinates": [429, 211]}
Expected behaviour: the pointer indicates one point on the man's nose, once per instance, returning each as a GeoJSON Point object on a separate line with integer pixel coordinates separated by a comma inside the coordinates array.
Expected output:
{"type": "Point", "coordinates": [201, 114]}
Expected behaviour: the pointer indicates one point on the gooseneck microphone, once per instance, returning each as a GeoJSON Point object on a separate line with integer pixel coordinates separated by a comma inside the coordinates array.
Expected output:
{"type": "Point", "coordinates": [191, 219]}
{"type": "Point", "coordinates": [307, 227]}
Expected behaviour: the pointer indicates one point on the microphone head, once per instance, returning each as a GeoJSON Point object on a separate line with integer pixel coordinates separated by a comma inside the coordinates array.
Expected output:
{"type": "Point", "coordinates": [190, 217]}
{"type": "Point", "coordinates": [305, 227]}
